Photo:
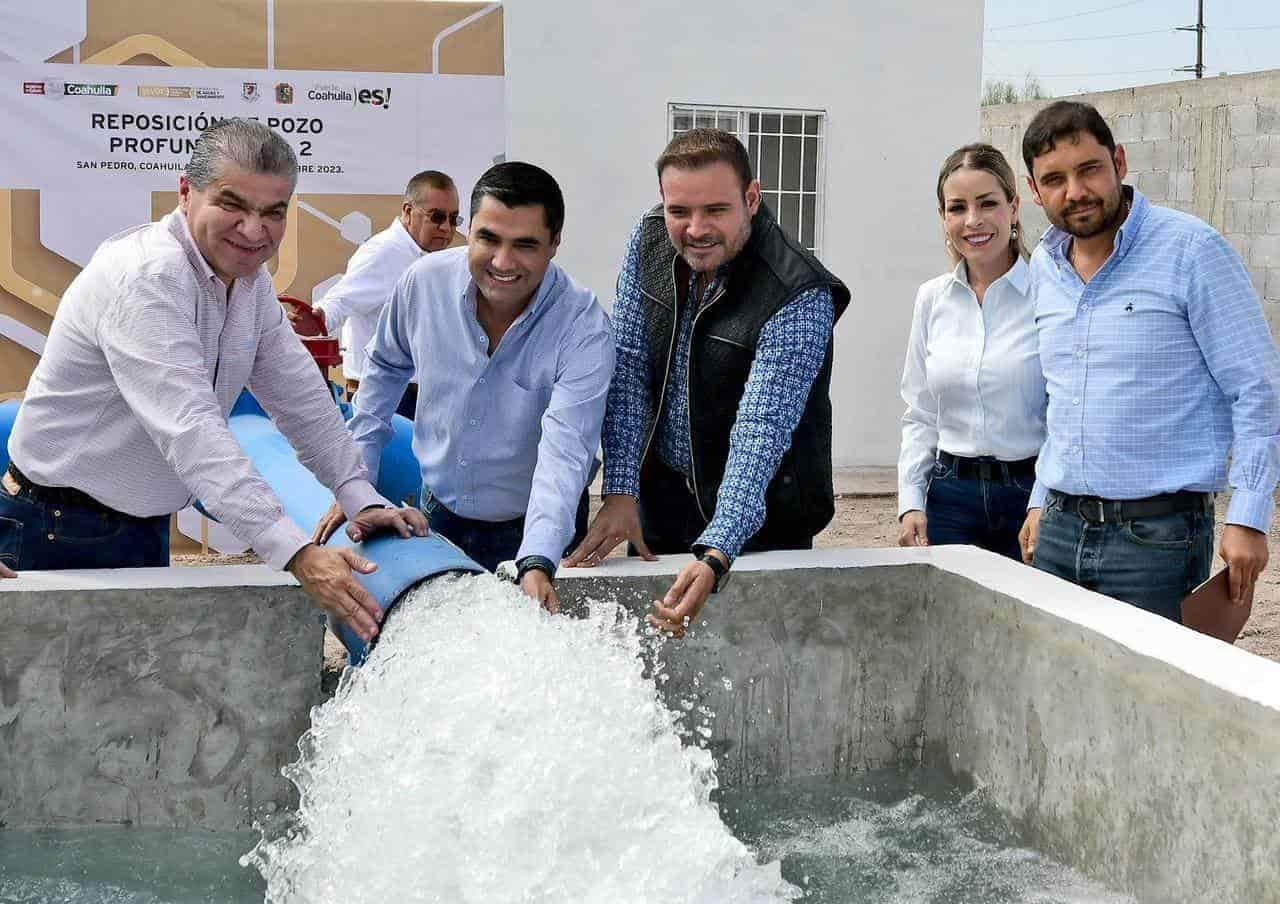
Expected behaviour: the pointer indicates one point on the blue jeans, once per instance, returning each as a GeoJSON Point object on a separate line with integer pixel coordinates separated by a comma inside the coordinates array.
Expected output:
{"type": "Point", "coordinates": [1152, 563]}
{"type": "Point", "coordinates": [38, 535]}
{"type": "Point", "coordinates": [983, 513]}
{"type": "Point", "coordinates": [490, 543]}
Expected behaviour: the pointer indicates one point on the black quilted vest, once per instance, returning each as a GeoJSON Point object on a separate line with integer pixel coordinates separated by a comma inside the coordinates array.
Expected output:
{"type": "Point", "coordinates": [768, 274]}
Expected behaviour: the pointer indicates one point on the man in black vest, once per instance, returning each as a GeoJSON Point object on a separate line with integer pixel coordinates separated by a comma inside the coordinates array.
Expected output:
{"type": "Point", "coordinates": [717, 434]}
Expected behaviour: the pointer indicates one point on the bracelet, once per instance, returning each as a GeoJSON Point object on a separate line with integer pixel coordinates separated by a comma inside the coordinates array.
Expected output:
{"type": "Point", "coordinates": [535, 563]}
{"type": "Point", "coordinates": [718, 568]}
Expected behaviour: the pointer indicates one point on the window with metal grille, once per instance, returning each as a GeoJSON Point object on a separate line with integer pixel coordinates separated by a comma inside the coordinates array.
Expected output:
{"type": "Point", "coordinates": [786, 151]}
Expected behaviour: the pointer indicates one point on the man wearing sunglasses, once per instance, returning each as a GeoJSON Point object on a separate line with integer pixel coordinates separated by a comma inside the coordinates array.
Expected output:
{"type": "Point", "coordinates": [428, 221]}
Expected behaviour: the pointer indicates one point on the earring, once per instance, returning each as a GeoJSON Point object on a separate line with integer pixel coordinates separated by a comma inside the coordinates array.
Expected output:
{"type": "Point", "coordinates": [1013, 233]}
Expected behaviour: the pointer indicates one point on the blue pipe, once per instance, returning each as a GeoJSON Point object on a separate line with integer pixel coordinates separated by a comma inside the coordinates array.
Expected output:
{"type": "Point", "coordinates": [8, 413]}
{"type": "Point", "coordinates": [401, 563]}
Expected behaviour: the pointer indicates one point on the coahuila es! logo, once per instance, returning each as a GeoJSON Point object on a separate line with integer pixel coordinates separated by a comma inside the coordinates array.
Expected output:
{"type": "Point", "coordinates": [374, 97]}
{"type": "Point", "coordinates": [83, 89]}
{"type": "Point", "coordinates": [331, 93]}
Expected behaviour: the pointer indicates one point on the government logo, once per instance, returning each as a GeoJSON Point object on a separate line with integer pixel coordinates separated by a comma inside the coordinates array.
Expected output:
{"type": "Point", "coordinates": [374, 97]}
{"type": "Point", "coordinates": [336, 93]}
{"type": "Point", "coordinates": [82, 89]}
{"type": "Point", "coordinates": [165, 91]}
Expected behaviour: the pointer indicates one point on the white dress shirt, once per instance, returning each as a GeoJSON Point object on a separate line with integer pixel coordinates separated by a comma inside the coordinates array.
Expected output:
{"type": "Point", "coordinates": [357, 299]}
{"type": "Point", "coordinates": [146, 357]}
{"type": "Point", "coordinates": [972, 379]}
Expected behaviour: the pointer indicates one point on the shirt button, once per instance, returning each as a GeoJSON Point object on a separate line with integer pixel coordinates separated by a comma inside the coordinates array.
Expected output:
{"type": "Point", "coordinates": [1075, 401]}
{"type": "Point", "coordinates": [57, 513]}
{"type": "Point", "coordinates": [473, 422]}
{"type": "Point", "coordinates": [51, 536]}
{"type": "Point", "coordinates": [481, 380]}
{"type": "Point", "coordinates": [463, 463]}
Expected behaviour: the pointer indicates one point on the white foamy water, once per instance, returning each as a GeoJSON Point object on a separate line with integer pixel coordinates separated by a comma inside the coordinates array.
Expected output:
{"type": "Point", "coordinates": [488, 752]}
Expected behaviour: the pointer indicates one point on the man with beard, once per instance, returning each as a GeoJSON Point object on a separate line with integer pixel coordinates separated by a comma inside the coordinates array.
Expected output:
{"type": "Point", "coordinates": [717, 436]}
{"type": "Point", "coordinates": [1158, 363]}
{"type": "Point", "coordinates": [428, 221]}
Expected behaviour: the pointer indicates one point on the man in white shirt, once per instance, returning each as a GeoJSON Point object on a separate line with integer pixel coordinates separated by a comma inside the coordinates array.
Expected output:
{"type": "Point", "coordinates": [428, 222]}
{"type": "Point", "coordinates": [125, 417]}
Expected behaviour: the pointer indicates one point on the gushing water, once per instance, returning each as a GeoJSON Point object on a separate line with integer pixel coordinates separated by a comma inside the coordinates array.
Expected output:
{"type": "Point", "coordinates": [488, 752]}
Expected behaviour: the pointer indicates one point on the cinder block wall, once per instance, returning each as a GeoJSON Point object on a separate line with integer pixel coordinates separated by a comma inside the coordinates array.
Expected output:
{"type": "Point", "coordinates": [1208, 147]}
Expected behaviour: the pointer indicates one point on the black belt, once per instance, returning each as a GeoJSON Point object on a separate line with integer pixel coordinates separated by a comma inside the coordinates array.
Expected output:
{"type": "Point", "coordinates": [986, 469]}
{"type": "Point", "coordinates": [1099, 511]}
{"type": "Point", "coordinates": [61, 495]}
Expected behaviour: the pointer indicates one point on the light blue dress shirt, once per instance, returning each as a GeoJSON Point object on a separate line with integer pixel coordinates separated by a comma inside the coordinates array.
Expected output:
{"type": "Point", "coordinates": [498, 437]}
{"type": "Point", "coordinates": [1157, 368]}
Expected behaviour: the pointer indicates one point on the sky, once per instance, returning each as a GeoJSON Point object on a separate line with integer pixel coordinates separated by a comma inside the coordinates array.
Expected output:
{"type": "Point", "coordinates": [1099, 45]}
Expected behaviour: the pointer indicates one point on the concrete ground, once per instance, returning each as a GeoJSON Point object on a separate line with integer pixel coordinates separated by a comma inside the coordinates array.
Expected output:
{"type": "Point", "coordinates": [866, 516]}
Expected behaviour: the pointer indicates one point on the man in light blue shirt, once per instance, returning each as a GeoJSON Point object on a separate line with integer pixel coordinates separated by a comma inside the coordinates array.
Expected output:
{"type": "Point", "coordinates": [513, 361]}
{"type": "Point", "coordinates": [1159, 364]}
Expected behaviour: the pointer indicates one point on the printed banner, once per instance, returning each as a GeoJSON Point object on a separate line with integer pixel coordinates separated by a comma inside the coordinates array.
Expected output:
{"type": "Point", "coordinates": [135, 126]}
{"type": "Point", "coordinates": [101, 102]}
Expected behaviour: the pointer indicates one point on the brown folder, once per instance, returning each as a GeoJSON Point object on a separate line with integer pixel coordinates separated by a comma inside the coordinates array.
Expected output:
{"type": "Point", "coordinates": [1209, 610]}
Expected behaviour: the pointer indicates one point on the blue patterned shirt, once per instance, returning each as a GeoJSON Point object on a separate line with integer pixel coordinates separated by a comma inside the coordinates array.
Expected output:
{"type": "Point", "coordinates": [1157, 368]}
{"type": "Point", "coordinates": [789, 354]}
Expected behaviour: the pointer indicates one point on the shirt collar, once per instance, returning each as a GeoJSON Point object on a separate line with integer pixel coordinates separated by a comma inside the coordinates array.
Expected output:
{"type": "Point", "coordinates": [179, 228]}
{"type": "Point", "coordinates": [402, 235]}
{"type": "Point", "coordinates": [1018, 276]}
{"type": "Point", "coordinates": [1055, 240]}
{"type": "Point", "coordinates": [553, 283]}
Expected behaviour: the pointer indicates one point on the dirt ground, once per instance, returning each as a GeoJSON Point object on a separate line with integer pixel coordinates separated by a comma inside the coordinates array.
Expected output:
{"type": "Point", "coordinates": [869, 521]}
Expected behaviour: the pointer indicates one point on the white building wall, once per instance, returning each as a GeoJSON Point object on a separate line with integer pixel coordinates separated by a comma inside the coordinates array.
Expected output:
{"type": "Point", "coordinates": [588, 84]}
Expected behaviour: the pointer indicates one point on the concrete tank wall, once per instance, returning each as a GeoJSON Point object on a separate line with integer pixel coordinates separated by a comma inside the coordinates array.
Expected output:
{"type": "Point", "coordinates": [158, 697]}
{"type": "Point", "coordinates": [1124, 745]}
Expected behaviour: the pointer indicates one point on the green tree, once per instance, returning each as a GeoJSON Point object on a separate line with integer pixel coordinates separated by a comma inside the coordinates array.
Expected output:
{"type": "Point", "coordinates": [999, 91]}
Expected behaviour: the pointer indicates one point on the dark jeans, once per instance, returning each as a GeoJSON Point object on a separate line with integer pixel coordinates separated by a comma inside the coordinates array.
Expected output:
{"type": "Point", "coordinates": [38, 535]}
{"type": "Point", "coordinates": [491, 542]}
{"type": "Point", "coordinates": [983, 513]}
{"type": "Point", "coordinates": [1152, 563]}
{"type": "Point", "coordinates": [671, 522]}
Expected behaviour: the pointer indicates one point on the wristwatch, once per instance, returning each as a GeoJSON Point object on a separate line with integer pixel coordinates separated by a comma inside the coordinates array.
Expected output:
{"type": "Point", "coordinates": [535, 563]}
{"type": "Point", "coordinates": [718, 568]}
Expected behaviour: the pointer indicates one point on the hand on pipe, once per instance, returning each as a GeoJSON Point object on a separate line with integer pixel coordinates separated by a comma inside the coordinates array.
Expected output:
{"type": "Point", "coordinates": [326, 576]}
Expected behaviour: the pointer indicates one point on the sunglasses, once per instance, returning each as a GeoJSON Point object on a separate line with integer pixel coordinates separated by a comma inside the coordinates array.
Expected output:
{"type": "Point", "coordinates": [440, 217]}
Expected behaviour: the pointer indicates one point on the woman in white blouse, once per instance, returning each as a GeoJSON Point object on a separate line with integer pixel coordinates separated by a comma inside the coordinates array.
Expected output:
{"type": "Point", "coordinates": [972, 382]}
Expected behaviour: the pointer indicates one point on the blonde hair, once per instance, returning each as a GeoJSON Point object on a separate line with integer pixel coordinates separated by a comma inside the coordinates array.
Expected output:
{"type": "Point", "coordinates": [988, 159]}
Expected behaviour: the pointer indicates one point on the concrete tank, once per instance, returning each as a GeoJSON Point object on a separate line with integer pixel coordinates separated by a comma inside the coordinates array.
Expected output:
{"type": "Point", "coordinates": [1137, 751]}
